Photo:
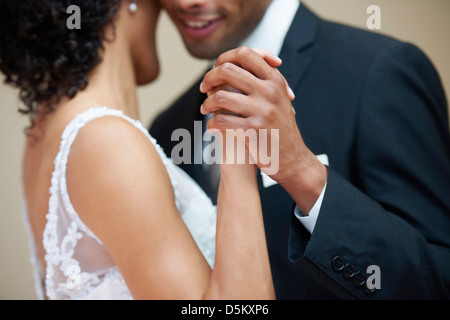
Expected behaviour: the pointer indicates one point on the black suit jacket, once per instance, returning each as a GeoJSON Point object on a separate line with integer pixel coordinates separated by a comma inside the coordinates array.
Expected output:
{"type": "Point", "coordinates": [376, 107]}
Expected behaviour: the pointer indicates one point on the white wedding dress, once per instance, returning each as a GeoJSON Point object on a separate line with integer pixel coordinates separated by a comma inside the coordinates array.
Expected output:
{"type": "Point", "coordinates": [78, 265]}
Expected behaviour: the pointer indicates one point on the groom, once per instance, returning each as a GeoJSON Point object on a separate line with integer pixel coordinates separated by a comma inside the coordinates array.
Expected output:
{"type": "Point", "coordinates": [360, 206]}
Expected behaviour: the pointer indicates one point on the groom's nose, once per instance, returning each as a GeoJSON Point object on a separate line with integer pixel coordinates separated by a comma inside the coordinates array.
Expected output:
{"type": "Point", "coordinates": [190, 5]}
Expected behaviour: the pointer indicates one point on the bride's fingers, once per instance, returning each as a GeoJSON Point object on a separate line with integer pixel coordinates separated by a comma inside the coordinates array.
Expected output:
{"type": "Point", "coordinates": [269, 57]}
{"type": "Point", "coordinates": [288, 88]}
{"type": "Point", "coordinates": [260, 62]}
{"type": "Point", "coordinates": [224, 101]}
{"type": "Point", "coordinates": [249, 60]}
{"type": "Point", "coordinates": [232, 75]}
{"type": "Point", "coordinates": [275, 62]}
{"type": "Point", "coordinates": [222, 122]}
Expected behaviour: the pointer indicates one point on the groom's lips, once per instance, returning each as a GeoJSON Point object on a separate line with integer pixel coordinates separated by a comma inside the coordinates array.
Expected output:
{"type": "Point", "coordinates": [199, 28]}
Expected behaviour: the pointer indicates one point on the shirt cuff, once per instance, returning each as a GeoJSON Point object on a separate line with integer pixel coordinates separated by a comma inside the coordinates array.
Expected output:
{"type": "Point", "coordinates": [309, 221]}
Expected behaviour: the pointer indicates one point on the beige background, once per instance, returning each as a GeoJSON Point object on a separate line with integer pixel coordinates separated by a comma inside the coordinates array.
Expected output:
{"type": "Point", "coordinates": [425, 23]}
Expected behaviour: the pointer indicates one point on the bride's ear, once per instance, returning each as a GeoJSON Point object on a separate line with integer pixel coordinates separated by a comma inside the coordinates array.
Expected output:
{"type": "Point", "coordinates": [126, 17]}
{"type": "Point", "coordinates": [132, 6]}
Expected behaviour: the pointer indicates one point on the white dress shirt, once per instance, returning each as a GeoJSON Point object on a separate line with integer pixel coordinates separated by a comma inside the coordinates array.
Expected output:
{"type": "Point", "coordinates": [270, 34]}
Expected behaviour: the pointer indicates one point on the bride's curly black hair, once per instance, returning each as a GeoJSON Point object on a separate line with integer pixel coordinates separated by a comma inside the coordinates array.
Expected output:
{"type": "Point", "coordinates": [45, 59]}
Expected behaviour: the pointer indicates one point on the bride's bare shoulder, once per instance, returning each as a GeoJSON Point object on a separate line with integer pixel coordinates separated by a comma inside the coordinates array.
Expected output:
{"type": "Point", "coordinates": [112, 142]}
{"type": "Point", "coordinates": [113, 167]}
{"type": "Point", "coordinates": [109, 135]}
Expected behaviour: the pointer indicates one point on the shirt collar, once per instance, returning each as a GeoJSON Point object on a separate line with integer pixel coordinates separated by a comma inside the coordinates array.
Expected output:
{"type": "Point", "coordinates": [273, 28]}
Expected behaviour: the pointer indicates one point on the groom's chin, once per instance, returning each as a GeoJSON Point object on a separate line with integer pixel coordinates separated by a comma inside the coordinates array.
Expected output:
{"type": "Point", "coordinates": [204, 51]}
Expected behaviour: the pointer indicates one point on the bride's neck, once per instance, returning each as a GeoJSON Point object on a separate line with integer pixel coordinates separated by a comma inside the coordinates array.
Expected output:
{"type": "Point", "coordinates": [113, 82]}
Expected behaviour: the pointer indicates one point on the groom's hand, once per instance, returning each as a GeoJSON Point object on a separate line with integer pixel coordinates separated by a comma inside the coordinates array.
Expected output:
{"type": "Point", "coordinates": [263, 101]}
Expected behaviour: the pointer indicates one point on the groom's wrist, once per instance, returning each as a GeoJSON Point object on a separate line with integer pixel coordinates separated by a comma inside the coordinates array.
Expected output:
{"type": "Point", "coordinates": [305, 183]}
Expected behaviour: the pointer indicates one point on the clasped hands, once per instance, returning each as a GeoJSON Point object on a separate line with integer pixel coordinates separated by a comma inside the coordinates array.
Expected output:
{"type": "Point", "coordinates": [246, 91]}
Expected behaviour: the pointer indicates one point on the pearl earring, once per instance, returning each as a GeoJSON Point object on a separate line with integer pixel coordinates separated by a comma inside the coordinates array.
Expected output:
{"type": "Point", "coordinates": [133, 7]}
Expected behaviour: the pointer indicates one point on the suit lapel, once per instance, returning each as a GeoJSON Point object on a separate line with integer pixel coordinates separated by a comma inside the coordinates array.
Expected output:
{"type": "Point", "coordinates": [299, 38]}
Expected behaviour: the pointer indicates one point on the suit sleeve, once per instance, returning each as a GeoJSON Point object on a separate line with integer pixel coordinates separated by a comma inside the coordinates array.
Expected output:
{"type": "Point", "coordinates": [396, 215]}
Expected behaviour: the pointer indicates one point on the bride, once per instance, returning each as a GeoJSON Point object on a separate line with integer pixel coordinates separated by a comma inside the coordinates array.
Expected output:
{"type": "Point", "coordinates": [121, 221]}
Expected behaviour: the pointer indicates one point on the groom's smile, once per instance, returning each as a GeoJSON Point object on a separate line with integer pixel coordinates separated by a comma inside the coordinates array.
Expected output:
{"type": "Point", "coordinates": [211, 27]}
{"type": "Point", "coordinates": [200, 27]}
